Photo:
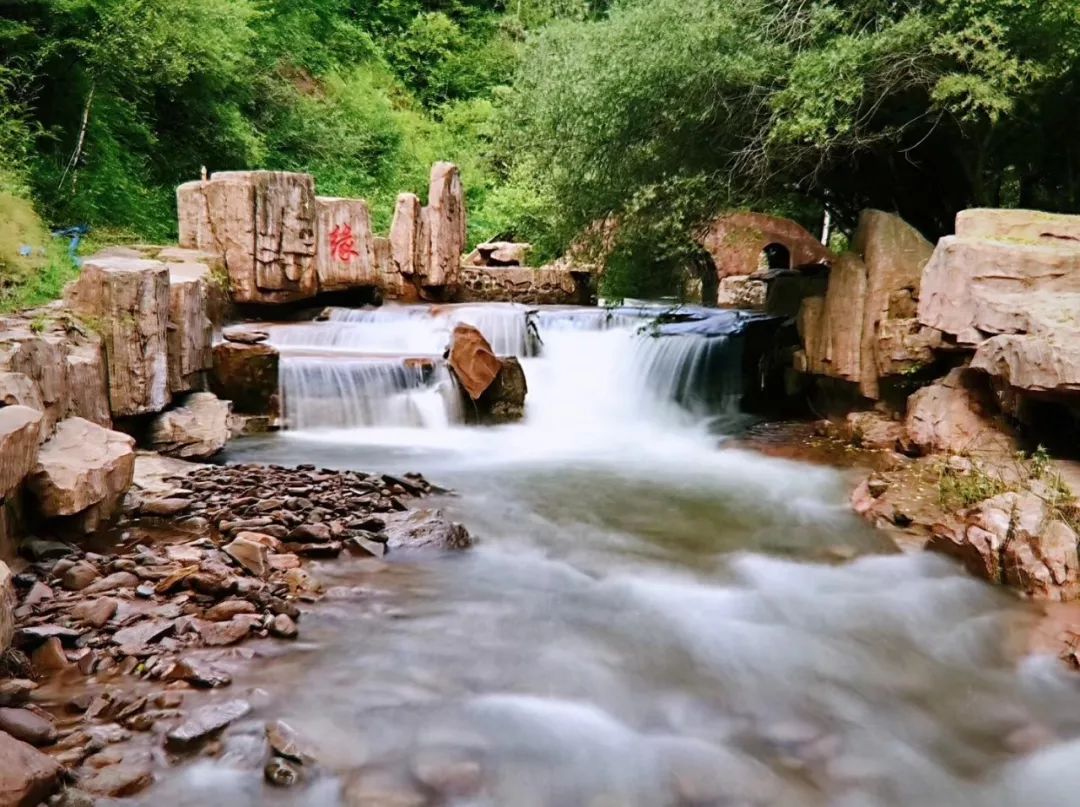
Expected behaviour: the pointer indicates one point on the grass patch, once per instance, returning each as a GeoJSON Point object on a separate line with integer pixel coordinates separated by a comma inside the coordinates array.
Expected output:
{"type": "Point", "coordinates": [29, 280]}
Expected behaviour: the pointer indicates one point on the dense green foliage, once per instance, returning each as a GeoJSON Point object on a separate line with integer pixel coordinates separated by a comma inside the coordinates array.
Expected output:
{"type": "Point", "coordinates": [636, 120]}
{"type": "Point", "coordinates": [669, 110]}
{"type": "Point", "coordinates": [105, 105]}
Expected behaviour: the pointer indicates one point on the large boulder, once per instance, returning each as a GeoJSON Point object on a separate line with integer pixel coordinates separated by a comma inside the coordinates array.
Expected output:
{"type": "Point", "coordinates": [41, 357]}
{"type": "Point", "coordinates": [499, 253]}
{"type": "Point", "coordinates": [1044, 364]}
{"type": "Point", "coordinates": [504, 400]}
{"type": "Point", "coordinates": [27, 776]}
{"type": "Point", "coordinates": [975, 289]}
{"type": "Point", "coordinates": [126, 300]}
{"type": "Point", "coordinates": [263, 224]}
{"type": "Point", "coordinates": [197, 428]}
{"type": "Point", "coordinates": [345, 255]}
{"type": "Point", "coordinates": [424, 529]}
{"type": "Point", "coordinates": [472, 360]}
{"type": "Point", "coordinates": [191, 334]}
{"type": "Point", "coordinates": [19, 389]}
{"type": "Point", "coordinates": [20, 431]}
{"type": "Point", "coordinates": [1031, 226]}
{"type": "Point", "coordinates": [956, 415]}
{"type": "Point", "coordinates": [894, 254]}
{"type": "Point", "coordinates": [247, 375]}
{"type": "Point", "coordinates": [446, 224]}
{"type": "Point", "coordinates": [831, 327]}
{"type": "Point", "coordinates": [548, 285]}
{"type": "Point", "coordinates": [409, 236]}
{"type": "Point", "coordinates": [82, 474]}
{"type": "Point", "coordinates": [88, 379]}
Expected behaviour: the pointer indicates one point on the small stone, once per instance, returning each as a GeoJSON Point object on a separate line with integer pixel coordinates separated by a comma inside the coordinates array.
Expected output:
{"type": "Point", "coordinates": [79, 576]}
{"type": "Point", "coordinates": [280, 773]}
{"type": "Point", "coordinates": [364, 547]}
{"type": "Point", "coordinates": [133, 639]}
{"type": "Point", "coordinates": [28, 726]}
{"type": "Point", "coordinates": [447, 771]}
{"type": "Point", "coordinates": [285, 742]}
{"type": "Point", "coordinates": [95, 613]}
{"type": "Point", "coordinates": [111, 583]}
{"type": "Point", "coordinates": [14, 691]}
{"type": "Point", "coordinates": [30, 637]}
{"type": "Point", "coordinates": [50, 657]}
{"type": "Point", "coordinates": [283, 627]}
{"type": "Point", "coordinates": [284, 561]}
{"type": "Point", "coordinates": [27, 776]}
{"type": "Point", "coordinates": [126, 778]}
{"type": "Point", "coordinates": [271, 542]}
{"type": "Point", "coordinates": [145, 590]}
{"type": "Point", "coordinates": [226, 610]}
{"type": "Point", "coordinates": [249, 554]}
{"type": "Point", "coordinates": [206, 721]}
{"type": "Point", "coordinates": [310, 533]}
{"type": "Point", "coordinates": [73, 797]}
{"type": "Point", "coordinates": [198, 673]}
{"type": "Point", "coordinates": [220, 634]}
{"type": "Point", "coordinates": [38, 593]}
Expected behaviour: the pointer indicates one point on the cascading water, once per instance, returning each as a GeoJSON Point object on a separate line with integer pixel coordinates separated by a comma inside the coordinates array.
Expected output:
{"type": "Point", "coordinates": [382, 367]}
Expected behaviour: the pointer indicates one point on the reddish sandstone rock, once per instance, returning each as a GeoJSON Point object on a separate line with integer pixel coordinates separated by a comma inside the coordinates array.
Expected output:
{"type": "Point", "coordinates": [27, 776]}
{"type": "Point", "coordinates": [198, 428]}
{"type": "Point", "coordinates": [472, 360]}
{"type": "Point", "coordinates": [190, 335]}
{"type": "Point", "coordinates": [735, 242]}
{"type": "Point", "coordinates": [831, 327]}
{"type": "Point", "coordinates": [409, 237]}
{"type": "Point", "coordinates": [446, 224]}
{"type": "Point", "coordinates": [84, 470]}
{"type": "Point", "coordinates": [20, 429]}
{"type": "Point", "coordinates": [345, 254]}
{"type": "Point", "coordinates": [263, 223]}
{"type": "Point", "coordinates": [955, 415]}
{"type": "Point", "coordinates": [127, 301]}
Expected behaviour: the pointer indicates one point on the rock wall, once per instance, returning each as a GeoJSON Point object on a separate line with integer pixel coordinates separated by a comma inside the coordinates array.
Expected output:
{"type": "Point", "coordinates": [345, 254]}
{"type": "Point", "coordinates": [864, 329]}
{"type": "Point", "coordinates": [520, 284]}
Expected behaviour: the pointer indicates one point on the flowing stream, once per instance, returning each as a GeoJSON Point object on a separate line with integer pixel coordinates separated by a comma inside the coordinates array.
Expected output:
{"type": "Point", "coordinates": [650, 616]}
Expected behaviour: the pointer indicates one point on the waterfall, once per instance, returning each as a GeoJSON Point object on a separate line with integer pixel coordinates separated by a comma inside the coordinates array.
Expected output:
{"type": "Point", "coordinates": [383, 368]}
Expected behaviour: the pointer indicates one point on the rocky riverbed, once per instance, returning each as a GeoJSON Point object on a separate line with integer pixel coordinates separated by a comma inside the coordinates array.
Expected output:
{"type": "Point", "coordinates": [119, 653]}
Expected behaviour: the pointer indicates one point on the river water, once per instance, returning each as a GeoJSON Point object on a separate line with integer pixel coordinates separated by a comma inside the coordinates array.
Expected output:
{"type": "Point", "coordinates": [650, 616]}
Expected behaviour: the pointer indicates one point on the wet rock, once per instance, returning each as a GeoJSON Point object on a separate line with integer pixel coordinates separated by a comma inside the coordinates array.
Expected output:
{"type": "Point", "coordinates": [125, 778]}
{"type": "Point", "coordinates": [135, 638]}
{"type": "Point", "coordinates": [425, 529]}
{"type": "Point", "coordinates": [247, 375]}
{"type": "Point", "coordinates": [198, 673]}
{"type": "Point", "coordinates": [283, 627]}
{"type": "Point", "coordinates": [310, 533]}
{"type": "Point", "coordinates": [28, 726]}
{"type": "Point", "coordinates": [95, 613]}
{"type": "Point", "coordinates": [280, 773]}
{"type": "Point", "coordinates": [220, 634]}
{"type": "Point", "coordinates": [31, 636]}
{"type": "Point", "coordinates": [224, 611]}
{"type": "Point", "coordinates": [7, 605]}
{"type": "Point", "coordinates": [363, 546]}
{"type": "Point", "coordinates": [285, 742]}
{"type": "Point", "coordinates": [245, 335]}
{"type": "Point", "coordinates": [197, 428]}
{"type": "Point", "coordinates": [72, 797]}
{"type": "Point", "coordinates": [472, 360]}
{"type": "Point", "coordinates": [14, 691]}
{"type": "Point", "coordinates": [504, 400]}
{"type": "Point", "coordinates": [112, 582]}
{"type": "Point", "coordinates": [249, 554]}
{"type": "Point", "coordinates": [284, 561]}
{"type": "Point", "coordinates": [206, 721]}
{"type": "Point", "coordinates": [50, 656]}
{"type": "Point", "coordinates": [80, 576]}
{"type": "Point", "coordinates": [27, 776]}
{"type": "Point", "coordinates": [956, 415]}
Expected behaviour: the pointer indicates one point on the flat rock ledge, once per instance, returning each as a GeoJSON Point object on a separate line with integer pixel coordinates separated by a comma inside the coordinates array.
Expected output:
{"type": "Point", "coordinates": [117, 658]}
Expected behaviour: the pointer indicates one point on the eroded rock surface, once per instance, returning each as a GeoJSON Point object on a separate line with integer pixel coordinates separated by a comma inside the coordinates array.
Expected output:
{"type": "Point", "coordinates": [83, 470]}
{"type": "Point", "coordinates": [197, 428]}
{"type": "Point", "coordinates": [472, 360]}
{"type": "Point", "coordinates": [345, 254]}
{"type": "Point", "coordinates": [247, 375]}
{"type": "Point", "coordinates": [20, 432]}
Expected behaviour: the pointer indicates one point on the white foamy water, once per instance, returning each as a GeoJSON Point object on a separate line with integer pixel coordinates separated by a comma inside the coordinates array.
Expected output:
{"type": "Point", "coordinates": [647, 618]}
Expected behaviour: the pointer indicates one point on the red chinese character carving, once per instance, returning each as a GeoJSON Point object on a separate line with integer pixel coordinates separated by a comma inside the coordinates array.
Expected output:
{"type": "Point", "coordinates": [342, 244]}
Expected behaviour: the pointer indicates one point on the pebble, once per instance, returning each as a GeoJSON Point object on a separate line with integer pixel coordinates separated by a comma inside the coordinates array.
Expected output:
{"type": "Point", "coordinates": [206, 721]}
{"type": "Point", "coordinates": [280, 773]}
{"type": "Point", "coordinates": [28, 726]}
{"type": "Point", "coordinates": [283, 627]}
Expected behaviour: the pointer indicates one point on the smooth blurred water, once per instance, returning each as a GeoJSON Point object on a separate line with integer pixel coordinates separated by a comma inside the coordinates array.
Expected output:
{"type": "Point", "coordinates": [649, 617]}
